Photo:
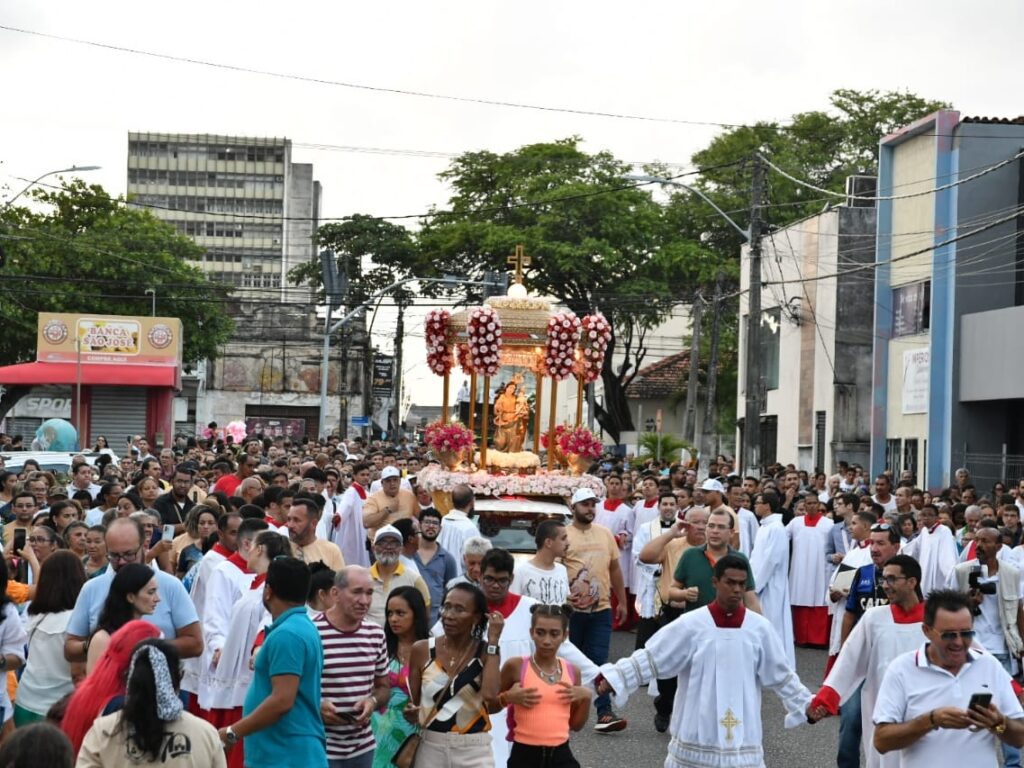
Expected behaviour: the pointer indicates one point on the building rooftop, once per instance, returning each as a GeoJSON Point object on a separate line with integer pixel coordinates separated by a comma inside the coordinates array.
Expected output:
{"type": "Point", "coordinates": [661, 379]}
{"type": "Point", "coordinates": [1019, 120]}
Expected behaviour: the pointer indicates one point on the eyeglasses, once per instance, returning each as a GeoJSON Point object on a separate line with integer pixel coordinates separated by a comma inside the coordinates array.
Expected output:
{"type": "Point", "coordinates": [504, 581]}
{"type": "Point", "coordinates": [890, 580]}
{"type": "Point", "coordinates": [122, 556]}
{"type": "Point", "coordinates": [964, 634]}
{"type": "Point", "coordinates": [38, 540]}
{"type": "Point", "coordinates": [881, 527]}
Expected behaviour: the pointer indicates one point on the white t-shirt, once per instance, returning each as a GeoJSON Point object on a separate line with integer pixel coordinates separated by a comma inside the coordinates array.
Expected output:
{"type": "Point", "coordinates": [47, 676]}
{"type": "Point", "coordinates": [986, 624]}
{"type": "Point", "coordinates": [12, 643]}
{"type": "Point", "coordinates": [551, 587]}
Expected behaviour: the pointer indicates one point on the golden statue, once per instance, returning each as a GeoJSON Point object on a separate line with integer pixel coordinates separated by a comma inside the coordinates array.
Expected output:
{"type": "Point", "coordinates": [511, 414]}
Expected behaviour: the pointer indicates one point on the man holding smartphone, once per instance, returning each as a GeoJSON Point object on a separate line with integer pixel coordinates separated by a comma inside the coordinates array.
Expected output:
{"type": "Point", "coordinates": [924, 705]}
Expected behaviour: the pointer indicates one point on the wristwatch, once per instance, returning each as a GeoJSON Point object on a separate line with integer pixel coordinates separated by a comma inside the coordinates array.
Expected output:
{"type": "Point", "coordinates": [231, 736]}
{"type": "Point", "coordinates": [492, 650]}
{"type": "Point", "coordinates": [1000, 729]}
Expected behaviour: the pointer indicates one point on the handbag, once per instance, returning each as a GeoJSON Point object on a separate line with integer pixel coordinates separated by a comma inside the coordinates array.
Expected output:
{"type": "Point", "coordinates": [405, 755]}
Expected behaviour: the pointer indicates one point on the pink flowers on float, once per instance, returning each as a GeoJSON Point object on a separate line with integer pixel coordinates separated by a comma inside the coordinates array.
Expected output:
{"type": "Point", "coordinates": [560, 350]}
{"type": "Point", "coordinates": [483, 330]}
{"type": "Point", "coordinates": [580, 441]}
{"type": "Point", "coordinates": [447, 436]}
{"type": "Point", "coordinates": [435, 332]}
{"type": "Point", "coordinates": [595, 333]}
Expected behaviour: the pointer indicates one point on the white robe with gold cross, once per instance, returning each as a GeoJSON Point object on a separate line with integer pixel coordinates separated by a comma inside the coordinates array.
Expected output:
{"type": "Point", "coordinates": [716, 716]}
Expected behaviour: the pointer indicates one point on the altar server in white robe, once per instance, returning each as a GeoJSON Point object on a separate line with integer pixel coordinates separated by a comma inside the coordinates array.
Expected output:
{"type": "Point", "coordinates": [227, 543]}
{"type": "Point", "coordinates": [646, 510]}
{"type": "Point", "coordinates": [344, 527]}
{"type": "Point", "coordinates": [934, 548]}
{"type": "Point", "coordinates": [615, 514]}
{"type": "Point", "coordinates": [747, 520]}
{"type": "Point", "coordinates": [809, 574]}
{"type": "Point", "coordinates": [857, 555]}
{"type": "Point", "coordinates": [723, 655]}
{"type": "Point", "coordinates": [769, 564]}
{"type": "Point", "coordinates": [496, 571]}
{"type": "Point", "coordinates": [882, 634]}
{"type": "Point", "coordinates": [228, 583]}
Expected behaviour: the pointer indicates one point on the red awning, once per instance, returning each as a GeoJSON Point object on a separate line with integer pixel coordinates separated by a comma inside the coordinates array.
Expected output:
{"type": "Point", "coordinates": [111, 375]}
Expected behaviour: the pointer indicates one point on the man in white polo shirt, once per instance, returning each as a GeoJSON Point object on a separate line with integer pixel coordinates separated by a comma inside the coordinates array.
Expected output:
{"type": "Point", "coordinates": [923, 704]}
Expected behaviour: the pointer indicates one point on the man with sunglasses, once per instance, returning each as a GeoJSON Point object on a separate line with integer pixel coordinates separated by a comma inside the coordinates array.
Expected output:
{"type": "Point", "coordinates": [923, 708]}
{"type": "Point", "coordinates": [175, 615]}
{"type": "Point", "coordinates": [882, 634]}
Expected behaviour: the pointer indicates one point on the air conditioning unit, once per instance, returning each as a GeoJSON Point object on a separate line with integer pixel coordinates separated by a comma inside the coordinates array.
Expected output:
{"type": "Point", "coordinates": [860, 191]}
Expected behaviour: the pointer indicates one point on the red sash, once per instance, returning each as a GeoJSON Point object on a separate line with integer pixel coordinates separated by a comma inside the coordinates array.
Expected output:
{"type": "Point", "coordinates": [359, 489]}
{"type": "Point", "coordinates": [237, 561]}
{"type": "Point", "coordinates": [221, 550]}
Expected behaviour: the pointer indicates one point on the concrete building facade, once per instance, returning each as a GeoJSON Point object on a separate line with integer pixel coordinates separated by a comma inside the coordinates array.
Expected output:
{"type": "Point", "coordinates": [949, 293]}
{"type": "Point", "coordinates": [816, 323]}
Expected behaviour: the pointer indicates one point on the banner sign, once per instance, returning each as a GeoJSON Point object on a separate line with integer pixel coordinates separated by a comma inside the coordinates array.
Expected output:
{"type": "Point", "coordinates": [116, 339]}
{"type": "Point", "coordinates": [383, 376]}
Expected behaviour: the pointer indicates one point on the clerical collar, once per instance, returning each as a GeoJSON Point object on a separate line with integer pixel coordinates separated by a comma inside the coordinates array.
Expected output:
{"type": "Point", "coordinates": [914, 615]}
{"type": "Point", "coordinates": [666, 524]}
{"type": "Point", "coordinates": [725, 620]}
{"type": "Point", "coordinates": [506, 606]}
{"type": "Point", "coordinates": [612, 504]}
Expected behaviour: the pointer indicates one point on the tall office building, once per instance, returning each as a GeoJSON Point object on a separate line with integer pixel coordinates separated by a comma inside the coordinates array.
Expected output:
{"type": "Point", "coordinates": [241, 198]}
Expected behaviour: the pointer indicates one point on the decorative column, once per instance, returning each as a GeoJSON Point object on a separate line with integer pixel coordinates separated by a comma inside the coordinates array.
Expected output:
{"type": "Point", "coordinates": [538, 399]}
{"type": "Point", "coordinates": [551, 424]}
{"type": "Point", "coordinates": [444, 399]}
{"type": "Point", "coordinates": [485, 421]}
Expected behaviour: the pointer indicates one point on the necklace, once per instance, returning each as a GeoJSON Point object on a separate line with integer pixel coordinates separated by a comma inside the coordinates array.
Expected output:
{"type": "Point", "coordinates": [551, 677]}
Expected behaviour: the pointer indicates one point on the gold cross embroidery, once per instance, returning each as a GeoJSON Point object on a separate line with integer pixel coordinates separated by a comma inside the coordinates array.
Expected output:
{"type": "Point", "coordinates": [729, 722]}
{"type": "Point", "coordinates": [519, 260]}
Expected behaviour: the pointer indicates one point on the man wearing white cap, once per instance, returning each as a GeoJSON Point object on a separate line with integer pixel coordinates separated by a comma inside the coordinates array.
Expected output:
{"type": "Point", "coordinates": [594, 572]}
{"type": "Point", "coordinates": [389, 573]}
{"type": "Point", "coordinates": [714, 500]}
{"type": "Point", "coordinates": [390, 503]}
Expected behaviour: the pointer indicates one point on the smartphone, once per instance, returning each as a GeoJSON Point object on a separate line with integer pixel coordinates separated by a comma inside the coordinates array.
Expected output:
{"type": "Point", "coordinates": [19, 539]}
{"type": "Point", "coordinates": [980, 701]}
{"type": "Point", "coordinates": [168, 533]}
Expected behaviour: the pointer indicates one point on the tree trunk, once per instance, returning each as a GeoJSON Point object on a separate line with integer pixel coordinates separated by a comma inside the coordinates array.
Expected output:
{"type": "Point", "coordinates": [10, 398]}
{"type": "Point", "coordinates": [613, 416]}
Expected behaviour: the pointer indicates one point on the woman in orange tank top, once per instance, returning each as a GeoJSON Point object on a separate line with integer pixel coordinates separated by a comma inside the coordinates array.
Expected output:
{"type": "Point", "coordinates": [543, 696]}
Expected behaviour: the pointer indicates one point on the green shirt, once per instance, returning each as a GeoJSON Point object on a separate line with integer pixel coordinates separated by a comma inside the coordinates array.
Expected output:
{"type": "Point", "coordinates": [695, 570]}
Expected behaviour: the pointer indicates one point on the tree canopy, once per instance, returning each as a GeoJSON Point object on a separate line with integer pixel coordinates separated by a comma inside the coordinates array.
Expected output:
{"type": "Point", "coordinates": [86, 252]}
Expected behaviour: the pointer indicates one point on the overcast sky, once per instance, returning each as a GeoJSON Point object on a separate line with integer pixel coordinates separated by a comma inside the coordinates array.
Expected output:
{"type": "Point", "coordinates": [722, 62]}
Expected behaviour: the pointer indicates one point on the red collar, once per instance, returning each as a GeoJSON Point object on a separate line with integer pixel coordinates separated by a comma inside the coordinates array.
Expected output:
{"type": "Point", "coordinates": [221, 550]}
{"type": "Point", "coordinates": [257, 583]}
{"type": "Point", "coordinates": [506, 606]}
{"type": "Point", "coordinates": [725, 620]}
{"type": "Point", "coordinates": [237, 561]}
{"type": "Point", "coordinates": [914, 616]}
{"type": "Point", "coordinates": [932, 529]}
{"type": "Point", "coordinates": [271, 521]}
{"type": "Point", "coordinates": [359, 489]}
{"type": "Point", "coordinates": [862, 544]}
{"type": "Point", "coordinates": [812, 520]}
{"type": "Point", "coordinates": [648, 503]}
{"type": "Point", "coordinates": [612, 504]}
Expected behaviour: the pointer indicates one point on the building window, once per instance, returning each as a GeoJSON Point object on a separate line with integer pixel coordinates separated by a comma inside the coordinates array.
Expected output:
{"type": "Point", "coordinates": [910, 458]}
{"type": "Point", "coordinates": [892, 456]}
{"type": "Point", "coordinates": [911, 306]}
{"type": "Point", "coordinates": [771, 326]}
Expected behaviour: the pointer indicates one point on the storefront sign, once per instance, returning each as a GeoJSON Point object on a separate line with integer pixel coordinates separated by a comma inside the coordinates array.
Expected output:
{"type": "Point", "coordinates": [916, 366]}
{"type": "Point", "coordinates": [117, 339]}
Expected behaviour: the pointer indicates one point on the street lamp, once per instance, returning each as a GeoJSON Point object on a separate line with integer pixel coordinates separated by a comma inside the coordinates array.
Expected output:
{"type": "Point", "coordinates": [72, 169]}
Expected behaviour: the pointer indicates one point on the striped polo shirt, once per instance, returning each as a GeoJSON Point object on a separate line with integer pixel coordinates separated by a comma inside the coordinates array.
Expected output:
{"type": "Point", "coordinates": [351, 661]}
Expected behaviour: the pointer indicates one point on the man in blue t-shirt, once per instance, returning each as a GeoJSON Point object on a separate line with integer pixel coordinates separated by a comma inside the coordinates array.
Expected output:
{"type": "Point", "coordinates": [281, 721]}
{"type": "Point", "coordinates": [865, 592]}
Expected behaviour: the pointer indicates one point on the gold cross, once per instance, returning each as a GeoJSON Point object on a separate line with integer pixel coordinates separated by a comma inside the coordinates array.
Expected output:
{"type": "Point", "coordinates": [519, 260]}
{"type": "Point", "coordinates": [729, 722]}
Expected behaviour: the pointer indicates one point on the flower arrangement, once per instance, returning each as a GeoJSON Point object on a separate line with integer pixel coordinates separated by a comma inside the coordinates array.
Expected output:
{"type": "Point", "coordinates": [560, 350]}
{"type": "Point", "coordinates": [462, 357]}
{"type": "Point", "coordinates": [435, 333]}
{"type": "Point", "coordinates": [434, 478]}
{"type": "Point", "coordinates": [595, 333]}
{"type": "Point", "coordinates": [484, 331]}
{"type": "Point", "coordinates": [447, 436]}
{"type": "Point", "coordinates": [581, 442]}
{"type": "Point", "coordinates": [520, 461]}
{"type": "Point", "coordinates": [559, 431]}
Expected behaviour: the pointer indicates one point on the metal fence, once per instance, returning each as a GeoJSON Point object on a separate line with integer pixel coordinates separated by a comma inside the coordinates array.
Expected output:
{"type": "Point", "coordinates": [988, 468]}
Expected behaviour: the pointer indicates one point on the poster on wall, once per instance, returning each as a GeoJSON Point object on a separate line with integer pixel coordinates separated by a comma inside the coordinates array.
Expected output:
{"type": "Point", "coordinates": [271, 426]}
{"type": "Point", "coordinates": [916, 364]}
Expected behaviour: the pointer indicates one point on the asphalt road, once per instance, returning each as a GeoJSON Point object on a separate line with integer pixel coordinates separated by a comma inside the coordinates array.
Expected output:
{"type": "Point", "coordinates": [642, 746]}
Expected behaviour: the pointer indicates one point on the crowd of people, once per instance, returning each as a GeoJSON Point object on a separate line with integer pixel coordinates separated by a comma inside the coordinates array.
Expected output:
{"type": "Point", "coordinates": [292, 600]}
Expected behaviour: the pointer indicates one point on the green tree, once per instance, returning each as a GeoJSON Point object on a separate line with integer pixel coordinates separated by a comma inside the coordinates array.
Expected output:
{"type": "Point", "coordinates": [596, 243]}
{"type": "Point", "coordinates": [86, 252]}
{"type": "Point", "coordinates": [372, 253]}
{"type": "Point", "coordinates": [666, 445]}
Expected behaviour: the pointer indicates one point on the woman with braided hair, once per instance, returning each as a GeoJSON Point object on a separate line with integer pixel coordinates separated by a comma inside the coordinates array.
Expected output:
{"type": "Point", "coordinates": [152, 728]}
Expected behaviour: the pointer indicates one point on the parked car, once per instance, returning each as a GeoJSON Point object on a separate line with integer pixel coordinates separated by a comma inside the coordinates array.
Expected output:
{"type": "Point", "coordinates": [510, 522]}
{"type": "Point", "coordinates": [58, 462]}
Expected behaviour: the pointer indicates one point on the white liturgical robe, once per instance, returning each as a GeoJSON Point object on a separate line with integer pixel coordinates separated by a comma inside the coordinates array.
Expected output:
{"type": "Point", "coordinates": [229, 581]}
{"type": "Point", "coordinates": [617, 516]}
{"type": "Point", "coordinates": [769, 565]}
{"type": "Point", "coordinates": [716, 717]}
{"type": "Point", "coordinates": [191, 667]}
{"type": "Point", "coordinates": [348, 533]}
{"type": "Point", "coordinates": [935, 549]}
{"type": "Point", "coordinates": [858, 555]}
{"type": "Point", "coordinates": [809, 571]}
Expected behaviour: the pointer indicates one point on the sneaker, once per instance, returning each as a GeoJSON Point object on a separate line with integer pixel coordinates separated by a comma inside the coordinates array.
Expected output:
{"type": "Point", "coordinates": [609, 722]}
{"type": "Point", "coordinates": [660, 722]}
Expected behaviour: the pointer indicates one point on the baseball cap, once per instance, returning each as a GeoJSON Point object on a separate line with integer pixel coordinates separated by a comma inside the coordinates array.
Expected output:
{"type": "Point", "coordinates": [712, 485]}
{"type": "Point", "coordinates": [387, 530]}
{"type": "Point", "coordinates": [582, 494]}
{"type": "Point", "coordinates": [389, 472]}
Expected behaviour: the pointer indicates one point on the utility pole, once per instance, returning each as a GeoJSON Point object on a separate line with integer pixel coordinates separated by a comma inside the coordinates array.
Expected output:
{"type": "Point", "coordinates": [752, 416]}
{"type": "Point", "coordinates": [690, 417]}
{"type": "Point", "coordinates": [396, 427]}
{"type": "Point", "coordinates": [707, 428]}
